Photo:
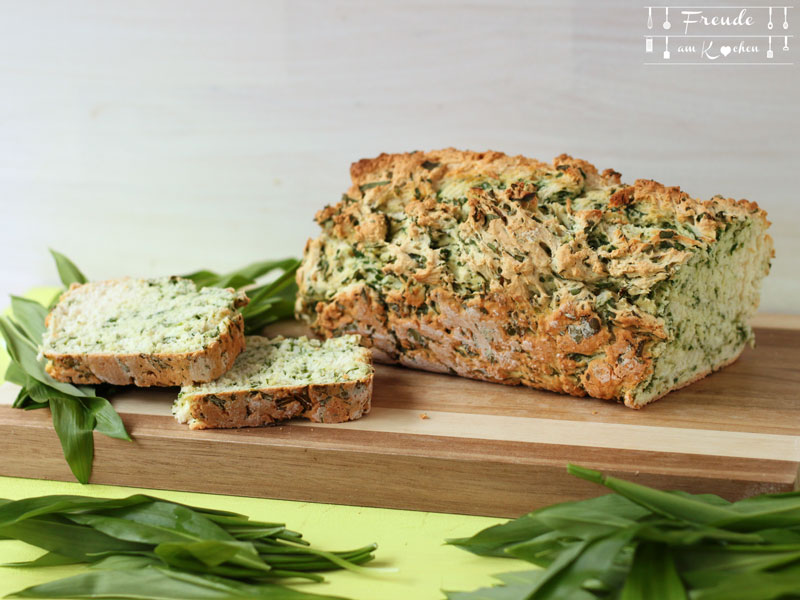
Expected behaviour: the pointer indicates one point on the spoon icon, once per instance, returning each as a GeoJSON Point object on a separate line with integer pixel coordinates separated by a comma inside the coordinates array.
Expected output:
{"type": "Point", "coordinates": [785, 43]}
{"type": "Point", "coordinates": [649, 17]}
{"type": "Point", "coordinates": [769, 25]}
{"type": "Point", "coordinates": [785, 22]}
{"type": "Point", "coordinates": [667, 24]}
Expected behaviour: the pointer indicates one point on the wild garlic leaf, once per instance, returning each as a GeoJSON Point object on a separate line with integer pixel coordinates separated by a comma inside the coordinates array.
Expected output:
{"type": "Point", "coordinates": [124, 529]}
{"type": "Point", "coordinates": [29, 508]}
{"type": "Point", "coordinates": [67, 270]}
{"type": "Point", "coordinates": [107, 420]}
{"type": "Point", "coordinates": [769, 511]}
{"type": "Point", "coordinates": [249, 274]}
{"type": "Point", "coordinates": [127, 561]}
{"type": "Point", "coordinates": [241, 558]}
{"type": "Point", "coordinates": [24, 353]}
{"type": "Point", "coordinates": [15, 374]}
{"type": "Point", "coordinates": [74, 426]}
{"type": "Point", "coordinates": [670, 505]}
{"type": "Point", "coordinates": [30, 316]}
{"type": "Point", "coordinates": [653, 575]}
{"type": "Point", "coordinates": [186, 522]}
{"type": "Point", "coordinates": [241, 277]}
{"type": "Point", "coordinates": [155, 583]}
{"type": "Point", "coordinates": [66, 539]}
{"type": "Point", "coordinates": [702, 566]}
{"type": "Point", "coordinates": [48, 559]}
{"type": "Point", "coordinates": [644, 543]}
{"type": "Point", "coordinates": [582, 522]}
{"type": "Point", "coordinates": [514, 586]}
{"type": "Point", "coordinates": [762, 585]}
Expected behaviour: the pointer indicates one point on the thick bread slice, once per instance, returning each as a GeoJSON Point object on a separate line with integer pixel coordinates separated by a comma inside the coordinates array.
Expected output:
{"type": "Point", "coordinates": [555, 276]}
{"type": "Point", "coordinates": [144, 332]}
{"type": "Point", "coordinates": [278, 379]}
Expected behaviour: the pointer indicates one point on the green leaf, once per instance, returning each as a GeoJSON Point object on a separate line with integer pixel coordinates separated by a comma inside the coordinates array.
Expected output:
{"type": "Point", "coordinates": [15, 374]}
{"type": "Point", "coordinates": [205, 555]}
{"type": "Point", "coordinates": [251, 272]}
{"type": "Point", "coordinates": [515, 586]}
{"type": "Point", "coordinates": [700, 564]}
{"type": "Point", "coordinates": [177, 518]}
{"type": "Point", "coordinates": [24, 353]}
{"type": "Point", "coordinates": [674, 534]}
{"type": "Point", "coordinates": [653, 575]}
{"type": "Point", "coordinates": [582, 522]}
{"type": "Point", "coordinates": [30, 316]}
{"type": "Point", "coordinates": [753, 586]}
{"type": "Point", "coordinates": [676, 506]}
{"type": "Point", "coordinates": [68, 272]}
{"type": "Point", "coordinates": [127, 561]}
{"type": "Point", "coordinates": [74, 425]}
{"type": "Point", "coordinates": [66, 539]}
{"type": "Point", "coordinates": [771, 511]}
{"type": "Point", "coordinates": [124, 529]}
{"type": "Point", "coordinates": [19, 510]}
{"type": "Point", "coordinates": [48, 559]}
{"type": "Point", "coordinates": [107, 420]}
{"type": "Point", "coordinates": [305, 559]}
{"type": "Point", "coordinates": [241, 277]}
{"type": "Point", "coordinates": [154, 583]}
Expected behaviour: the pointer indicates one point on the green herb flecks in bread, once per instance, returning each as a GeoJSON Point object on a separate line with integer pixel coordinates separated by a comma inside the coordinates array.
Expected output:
{"type": "Point", "coordinates": [143, 331]}
{"type": "Point", "coordinates": [280, 378]}
{"type": "Point", "coordinates": [554, 276]}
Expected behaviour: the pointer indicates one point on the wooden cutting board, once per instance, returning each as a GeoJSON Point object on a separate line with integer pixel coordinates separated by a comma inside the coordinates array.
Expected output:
{"type": "Point", "coordinates": [441, 443]}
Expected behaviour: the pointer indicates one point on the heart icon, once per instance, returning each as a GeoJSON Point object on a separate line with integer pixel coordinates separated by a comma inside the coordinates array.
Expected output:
{"type": "Point", "coordinates": [725, 50]}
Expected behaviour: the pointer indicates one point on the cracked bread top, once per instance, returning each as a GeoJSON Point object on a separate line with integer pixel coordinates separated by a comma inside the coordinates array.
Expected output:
{"type": "Point", "coordinates": [552, 275]}
{"type": "Point", "coordinates": [478, 223]}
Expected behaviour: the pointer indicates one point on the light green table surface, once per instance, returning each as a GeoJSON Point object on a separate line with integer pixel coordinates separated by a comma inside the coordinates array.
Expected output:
{"type": "Point", "coordinates": [409, 541]}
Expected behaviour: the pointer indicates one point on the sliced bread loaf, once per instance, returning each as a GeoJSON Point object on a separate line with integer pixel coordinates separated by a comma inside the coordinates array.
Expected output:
{"type": "Point", "coordinates": [277, 379]}
{"type": "Point", "coordinates": [145, 332]}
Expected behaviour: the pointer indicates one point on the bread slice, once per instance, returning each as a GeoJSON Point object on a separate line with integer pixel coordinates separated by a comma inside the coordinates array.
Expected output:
{"type": "Point", "coordinates": [555, 276]}
{"type": "Point", "coordinates": [145, 332]}
{"type": "Point", "coordinates": [281, 378]}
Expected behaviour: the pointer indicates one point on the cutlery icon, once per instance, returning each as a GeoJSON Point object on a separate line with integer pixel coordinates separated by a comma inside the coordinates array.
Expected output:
{"type": "Point", "coordinates": [667, 24]}
{"type": "Point", "coordinates": [649, 17]}
{"type": "Point", "coordinates": [666, 47]}
{"type": "Point", "coordinates": [769, 25]}
{"type": "Point", "coordinates": [648, 45]}
{"type": "Point", "coordinates": [769, 52]}
{"type": "Point", "coordinates": [785, 22]}
{"type": "Point", "coordinates": [785, 43]}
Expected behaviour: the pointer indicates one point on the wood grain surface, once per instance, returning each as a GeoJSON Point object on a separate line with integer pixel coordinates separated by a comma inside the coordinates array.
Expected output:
{"type": "Point", "coordinates": [440, 443]}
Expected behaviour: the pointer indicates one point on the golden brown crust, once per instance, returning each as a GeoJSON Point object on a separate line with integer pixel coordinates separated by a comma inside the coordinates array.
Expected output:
{"type": "Point", "coordinates": [561, 341]}
{"type": "Point", "coordinates": [145, 370]}
{"type": "Point", "coordinates": [323, 403]}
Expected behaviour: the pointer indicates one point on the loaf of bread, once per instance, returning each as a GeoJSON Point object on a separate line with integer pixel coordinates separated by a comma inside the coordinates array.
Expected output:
{"type": "Point", "coordinates": [145, 332]}
{"type": "Point", "coordinates": [553, 276]}
{"type": "Point", "coordinates": [281, 378]}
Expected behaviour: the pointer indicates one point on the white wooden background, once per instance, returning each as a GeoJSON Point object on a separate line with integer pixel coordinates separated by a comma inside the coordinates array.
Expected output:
{"type": "Point", "coordinates": [162, 136]}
